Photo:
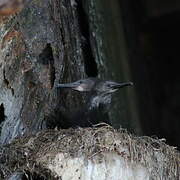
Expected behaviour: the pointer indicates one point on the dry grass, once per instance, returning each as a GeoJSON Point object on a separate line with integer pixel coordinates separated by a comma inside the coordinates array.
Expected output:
{"type": "Point", "coordinates": [161, 160]}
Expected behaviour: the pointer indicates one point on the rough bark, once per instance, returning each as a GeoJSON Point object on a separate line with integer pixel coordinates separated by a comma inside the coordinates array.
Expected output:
{"type": "Point", "coordinates": [40, 46]}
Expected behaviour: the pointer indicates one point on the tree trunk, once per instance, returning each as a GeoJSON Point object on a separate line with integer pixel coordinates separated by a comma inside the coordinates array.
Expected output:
{"type": "Point", "coordinates": [54, 41]}
{"type": "Point", "coordinates": [50, 42]}
{"type": "Point", "coordinates": [40, 47]}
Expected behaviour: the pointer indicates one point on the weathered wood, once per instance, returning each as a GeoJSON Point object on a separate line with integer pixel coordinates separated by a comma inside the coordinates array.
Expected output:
{"type": "Point", "coordinates": [39, 47]}
{"type": "Point", "coordinates": [9, 7]}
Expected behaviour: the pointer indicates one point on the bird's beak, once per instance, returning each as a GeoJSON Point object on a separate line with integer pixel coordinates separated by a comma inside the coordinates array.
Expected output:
{"type": "Point", "coordinates": [68, 85]}
{"type": "Point", "coordinates": [75, 86]}
{"type": "Point", "coordinates": [120, 85]}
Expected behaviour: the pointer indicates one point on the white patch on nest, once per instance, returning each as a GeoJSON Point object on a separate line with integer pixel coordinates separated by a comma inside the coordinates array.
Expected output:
{"type": "Point", "coordinates": [110, 166]}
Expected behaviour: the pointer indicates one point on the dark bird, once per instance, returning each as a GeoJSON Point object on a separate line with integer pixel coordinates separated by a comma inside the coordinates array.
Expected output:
{"type": "Point", "coordinates": [96, 107]}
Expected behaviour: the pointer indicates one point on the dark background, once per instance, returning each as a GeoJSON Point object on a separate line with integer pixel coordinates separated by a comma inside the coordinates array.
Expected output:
{"type": "Point", "coordinates": [152, 33]}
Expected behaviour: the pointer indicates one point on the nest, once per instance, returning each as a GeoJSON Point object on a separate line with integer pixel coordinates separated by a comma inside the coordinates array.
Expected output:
{"type": "Point", "coordinates": [29, 154]}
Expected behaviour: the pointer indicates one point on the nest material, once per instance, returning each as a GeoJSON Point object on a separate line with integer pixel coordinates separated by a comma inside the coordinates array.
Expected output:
{"type": "Point", "coordinates": [32, 154]}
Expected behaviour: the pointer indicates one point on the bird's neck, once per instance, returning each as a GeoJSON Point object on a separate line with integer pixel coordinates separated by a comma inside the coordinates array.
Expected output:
{"type": "Point", "coordinates": [99, 100]}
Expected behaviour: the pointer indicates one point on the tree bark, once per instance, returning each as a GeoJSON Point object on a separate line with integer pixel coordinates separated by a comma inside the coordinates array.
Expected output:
{"type": "Point", "coordinates": [54, 41]}
{"type": "Point", "coordinates": [40, 46]}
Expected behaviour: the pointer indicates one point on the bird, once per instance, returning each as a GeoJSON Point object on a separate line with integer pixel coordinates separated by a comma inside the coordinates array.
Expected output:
{"type": "Point", "coordinates": [96, 107]}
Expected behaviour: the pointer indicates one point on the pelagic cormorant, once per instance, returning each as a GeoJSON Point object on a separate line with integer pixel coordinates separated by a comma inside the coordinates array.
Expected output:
{"type": "Point", "coordinates": [96, 107]}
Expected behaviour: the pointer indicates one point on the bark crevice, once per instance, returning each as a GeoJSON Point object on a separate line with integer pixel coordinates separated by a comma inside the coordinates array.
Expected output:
{"type": "Point", "coordinates": [2, 113]}
{"type": "Point", "coordinates": [46, 58]}
{"type": "Point", "coordinates": [7, 83]}
{"type": "Point", "coordinates": [89, 60]}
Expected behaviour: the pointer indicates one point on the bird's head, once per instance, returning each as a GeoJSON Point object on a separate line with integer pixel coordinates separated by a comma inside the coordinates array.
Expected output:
{"type": "Point", "coordinates": [109, 87]}
{"type": "Point", "coordinates": [95, 85]}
